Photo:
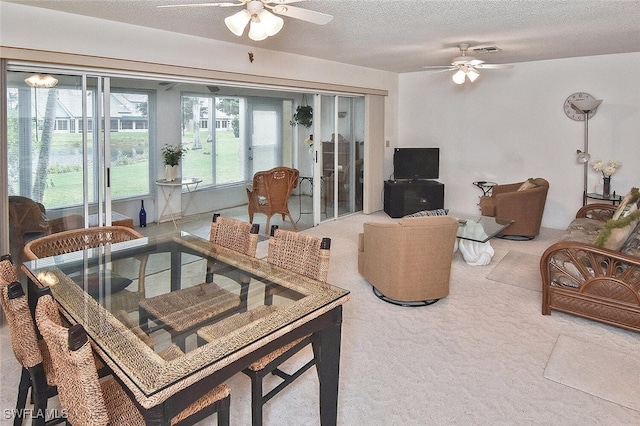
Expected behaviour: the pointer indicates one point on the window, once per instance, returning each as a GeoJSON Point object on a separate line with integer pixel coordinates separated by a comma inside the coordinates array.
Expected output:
{"type": "Point", "coordinates": [216, 155]}
{"type": "Point", "coordinates": [62, 125]}
{"type": "Point", "coordinates": [45, 162]}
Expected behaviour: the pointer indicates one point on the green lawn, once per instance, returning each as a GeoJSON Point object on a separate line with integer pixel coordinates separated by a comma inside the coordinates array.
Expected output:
{"type": "Point", "coordinates": [130, 178]}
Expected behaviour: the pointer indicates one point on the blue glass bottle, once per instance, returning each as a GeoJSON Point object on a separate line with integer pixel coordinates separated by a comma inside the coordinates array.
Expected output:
{"type": "Point", "coordinates": [143, 216]}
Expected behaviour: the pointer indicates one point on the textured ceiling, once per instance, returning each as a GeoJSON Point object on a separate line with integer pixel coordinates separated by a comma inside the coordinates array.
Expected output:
{"type": "Point", "coordinates": [404, 35]}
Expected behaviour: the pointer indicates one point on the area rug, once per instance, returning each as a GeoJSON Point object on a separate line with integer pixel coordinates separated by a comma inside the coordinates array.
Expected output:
{"type": "Point", "coordinates": [519, 269]}
{"type": "Point", "coordinates": [599, 371]}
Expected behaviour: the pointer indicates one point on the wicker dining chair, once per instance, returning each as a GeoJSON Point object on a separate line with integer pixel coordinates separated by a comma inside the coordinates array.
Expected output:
{"type": "Point", "coordinates": [183, 311]}
{"type": "Point", "coordinates": [27, 349]}
{"type": "Point", "coordinates": [88, 400]}
{"type": "Point", "coordinates": [307, 255]}
{"type": "Point", "coordinates": [270, 191]}
{"type": "Point", "coordinates": [80, 239]}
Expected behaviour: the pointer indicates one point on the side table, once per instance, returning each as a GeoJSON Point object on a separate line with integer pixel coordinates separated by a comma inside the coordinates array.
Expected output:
{"type": "Point", "coordinates": [613, 198]}
{"type": "Point", "coordinates": [167, 188]}
{"type": "Point", "coordinates": [485, 186]}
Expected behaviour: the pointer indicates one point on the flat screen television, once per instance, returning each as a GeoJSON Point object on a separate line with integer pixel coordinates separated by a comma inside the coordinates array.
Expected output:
{"type": "Point", "coordinates": [416, 163]}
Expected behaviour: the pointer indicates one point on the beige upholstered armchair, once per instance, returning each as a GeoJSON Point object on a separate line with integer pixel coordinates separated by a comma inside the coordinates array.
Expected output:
{"type": "Point", "coordinates": [408, 262]}
{"type": "Point", "coordinates": [522, 202]}
{"type": "Point", "coordinates": [270, 191]}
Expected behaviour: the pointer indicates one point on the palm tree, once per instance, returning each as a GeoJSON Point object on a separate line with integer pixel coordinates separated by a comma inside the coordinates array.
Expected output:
{"type": "Point", "coordinates": [42, 169]}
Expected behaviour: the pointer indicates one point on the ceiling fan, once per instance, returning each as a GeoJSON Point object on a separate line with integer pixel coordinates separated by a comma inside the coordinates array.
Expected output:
{"type": "Point", "coordinates": [263, 23]}
{"type": "Point", "coordinates": [468, 66]}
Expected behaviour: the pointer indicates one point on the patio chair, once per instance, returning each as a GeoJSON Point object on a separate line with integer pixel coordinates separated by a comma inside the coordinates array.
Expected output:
{"type": "Point", "coordinates": [181, 312]}
{"type": "Point", "coordinates": [28, 220]}
{"type": "Point", "coordinates": [270, 191]}
{"type": "Point", "coordinates": [88, 400]}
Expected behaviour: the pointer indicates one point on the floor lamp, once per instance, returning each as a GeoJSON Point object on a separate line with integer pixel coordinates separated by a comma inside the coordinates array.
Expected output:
{"type": "Point", "coordinates": [586, 107]}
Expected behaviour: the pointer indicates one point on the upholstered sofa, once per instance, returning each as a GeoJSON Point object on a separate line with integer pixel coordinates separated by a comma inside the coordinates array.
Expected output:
{"type": "Point", "coordinates": [584, 276]}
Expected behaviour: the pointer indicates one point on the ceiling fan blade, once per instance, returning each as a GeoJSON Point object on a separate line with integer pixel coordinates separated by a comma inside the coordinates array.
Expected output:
{"type": "Point", "coordinates": [302, 14]}
{"type": "Point", "coordinates": [475, 62]}
{"type": "Point", "coordinates": [436, 71]}
{"type": "Point", "coordinates": [495, 66]}
{"type": "Point", "coordinates": [222, 4]}
{"type": "Point", "coordinates": [440, 67]}
{"type": "Point", "coordinates": [283, 1]}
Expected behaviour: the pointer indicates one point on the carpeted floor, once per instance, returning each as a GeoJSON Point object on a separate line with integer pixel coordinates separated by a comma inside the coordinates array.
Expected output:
{"type": "Point", "coordinates": [483, 355]}
{"type": "Point", "coordinates": [600, 371]}
{"type": "Point", "coordinates": [519, 269]}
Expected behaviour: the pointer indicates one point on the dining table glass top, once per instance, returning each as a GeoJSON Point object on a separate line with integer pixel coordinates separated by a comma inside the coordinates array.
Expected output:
{"type": "Point", "coordinates": [103, 289]}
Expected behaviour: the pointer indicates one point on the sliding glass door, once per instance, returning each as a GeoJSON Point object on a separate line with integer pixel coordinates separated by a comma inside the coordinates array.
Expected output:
{"type": "Point", "coordinates": [340, 162]}
{"type": "Point", "coordinates": [64, 156]}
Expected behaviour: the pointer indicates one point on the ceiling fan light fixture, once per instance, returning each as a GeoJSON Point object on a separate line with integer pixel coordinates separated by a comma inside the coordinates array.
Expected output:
{"type": "Point", "coordinates": [472, 74]}
{"type": "Point", "coordinates": [272, 24]}
{"type": "Point", "coordinates": [238, 22]}
{"type": "Point", "coordinates": [41, 80]}
{"type": "Point", "coordinates": [257, 31]}
{"type": "Point", "coordinates": [458, 77]}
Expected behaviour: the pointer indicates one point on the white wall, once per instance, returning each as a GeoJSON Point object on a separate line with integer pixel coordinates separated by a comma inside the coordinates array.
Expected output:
{"type": "Point", "coordinates": [510, 125]}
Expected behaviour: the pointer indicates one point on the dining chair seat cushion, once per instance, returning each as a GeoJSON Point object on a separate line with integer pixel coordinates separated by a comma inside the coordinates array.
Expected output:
{"type": "Point", "coordinates": [122, 411]}
{"type": "Point", "coordinates": [185, 309]}
{"type": "Point", "coordinates": [265, 360]}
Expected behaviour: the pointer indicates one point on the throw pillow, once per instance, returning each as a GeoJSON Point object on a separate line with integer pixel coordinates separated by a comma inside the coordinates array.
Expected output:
{"type": "Point", "coordinates": [436, 212]}
{"type": "Point", "coordinates": [528, 184]}
{"type": "Point", "coordinates": [617, 229]}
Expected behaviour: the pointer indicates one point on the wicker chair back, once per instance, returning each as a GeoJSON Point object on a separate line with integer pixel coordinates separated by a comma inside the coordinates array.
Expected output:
{"type": "Point", "coordinates": [78, 239]}
{"type": "Point", "coordinates": [270, 191]}
{"type": "Point", "coordinates": [234, 234]}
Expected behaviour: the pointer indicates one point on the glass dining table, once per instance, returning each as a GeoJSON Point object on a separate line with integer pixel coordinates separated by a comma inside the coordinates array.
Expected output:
{"type": "Point", "coordinates": [95, 287]}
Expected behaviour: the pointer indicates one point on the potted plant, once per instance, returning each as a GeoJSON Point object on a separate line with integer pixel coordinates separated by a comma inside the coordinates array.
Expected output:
{"type": "Point", "coordinates": [172, 155]}
{"type": "Point", "coordinates": [303, 115]}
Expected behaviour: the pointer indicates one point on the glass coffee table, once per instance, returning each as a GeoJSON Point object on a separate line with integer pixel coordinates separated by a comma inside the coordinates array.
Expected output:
{"type": "Point", "coordinates": [474, 233]}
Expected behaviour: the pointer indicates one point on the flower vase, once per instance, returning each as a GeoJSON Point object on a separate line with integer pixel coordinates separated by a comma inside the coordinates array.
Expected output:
{"type": "Point", "coordinates": [606, 187]}
{"type": "Point", "coordinates": [170, 172]}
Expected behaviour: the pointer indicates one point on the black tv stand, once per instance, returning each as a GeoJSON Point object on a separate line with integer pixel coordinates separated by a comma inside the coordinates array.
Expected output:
{"type": "Point", "coordinates": [403, 197]}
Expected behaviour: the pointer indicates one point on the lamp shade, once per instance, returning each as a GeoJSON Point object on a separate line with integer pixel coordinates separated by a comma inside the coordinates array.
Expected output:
{"type": "Point", "coordinates": [458, 77]}
{"type": "Point", "coordinates": [582, 157]}
{"type": "Point", "coordinates": [272, 24]}
{"type": "Point", "coordinates": [237, 22]}
{"type": "Point", "coordinates": [41, 80]}
{"type": "Point", "coordinates": [585, 106]}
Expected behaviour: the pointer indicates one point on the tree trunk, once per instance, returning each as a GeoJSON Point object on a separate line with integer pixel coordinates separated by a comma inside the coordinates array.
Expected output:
{"type": "Point", "coordinates": [42, 168]}
{"type": "Point", "coordinates": [196, 126]}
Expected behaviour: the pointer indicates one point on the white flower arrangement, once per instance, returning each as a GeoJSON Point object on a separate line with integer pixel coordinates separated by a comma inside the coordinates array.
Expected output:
{"type": "Point", "coordinates": [607, 169]}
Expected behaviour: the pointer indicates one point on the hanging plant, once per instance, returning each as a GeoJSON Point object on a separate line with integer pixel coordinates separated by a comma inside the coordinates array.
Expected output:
{"type": "Point", "coordinates": [303, 115]}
